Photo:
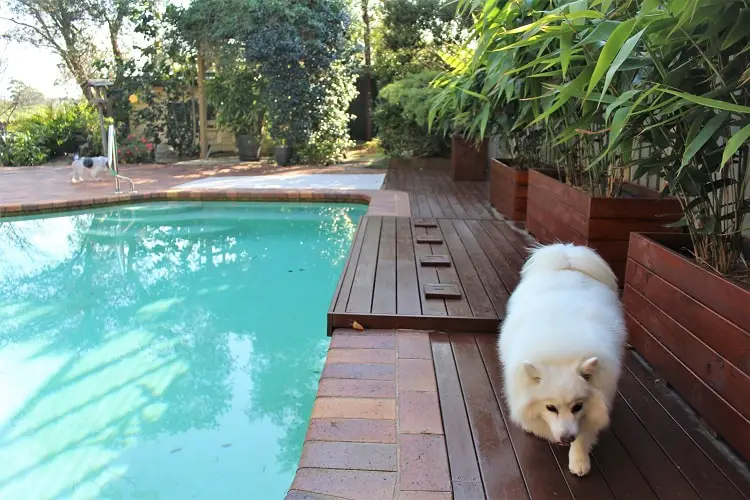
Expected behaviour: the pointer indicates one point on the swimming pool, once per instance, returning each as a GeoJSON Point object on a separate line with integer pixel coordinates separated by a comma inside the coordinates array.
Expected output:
{"type": "Point", "coordinates": [166, 350]}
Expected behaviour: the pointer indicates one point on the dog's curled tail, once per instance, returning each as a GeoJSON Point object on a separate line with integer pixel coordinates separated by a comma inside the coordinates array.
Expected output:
{"type": "Point", "coordinates": [566, 256]}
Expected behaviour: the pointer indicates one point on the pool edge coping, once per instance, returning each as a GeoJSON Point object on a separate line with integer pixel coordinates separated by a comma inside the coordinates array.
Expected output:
{"type": "Point", "coordinates": [380, 202]}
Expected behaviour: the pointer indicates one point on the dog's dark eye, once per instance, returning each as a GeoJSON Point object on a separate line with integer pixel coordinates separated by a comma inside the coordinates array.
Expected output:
{"type": "Point", "coordinates": [551, 408]}
{"type": "Point", "coordinates": [577, 407]}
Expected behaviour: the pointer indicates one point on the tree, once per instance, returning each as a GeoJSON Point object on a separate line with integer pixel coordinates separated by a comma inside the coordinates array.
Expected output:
{"type": "Point", "coordinates": [368, 67]}
{"type": "Point", "coordinates": [61, 26]}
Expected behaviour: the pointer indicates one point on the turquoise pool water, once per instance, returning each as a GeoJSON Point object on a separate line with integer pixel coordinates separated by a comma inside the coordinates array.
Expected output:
{"type": "Point", "coordinates": [163, 351]}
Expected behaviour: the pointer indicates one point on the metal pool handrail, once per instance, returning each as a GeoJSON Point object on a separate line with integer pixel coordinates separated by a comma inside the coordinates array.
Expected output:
{"type": "Point", "coordinates": [112, 160]}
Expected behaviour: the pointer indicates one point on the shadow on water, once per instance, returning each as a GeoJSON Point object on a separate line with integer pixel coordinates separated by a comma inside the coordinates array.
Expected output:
{"type": "Point", "coordinates": [147, 352]}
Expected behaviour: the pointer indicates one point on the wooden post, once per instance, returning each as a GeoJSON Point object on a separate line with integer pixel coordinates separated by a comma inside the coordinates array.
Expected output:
{"type": "Point", "coordinates": [202, 107]}
{"type": "Point", "coordinates": [99, 106]}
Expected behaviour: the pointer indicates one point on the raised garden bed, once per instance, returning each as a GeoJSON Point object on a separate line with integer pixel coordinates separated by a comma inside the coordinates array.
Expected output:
{"type": "Point", "coordinates": [509, 188]}
{"type": "Point", "coordinates": [469, 163]}
{"type": "Point", "coordinates": [558, 212]}
{"type": "Point", "coordinates": [693, 327]}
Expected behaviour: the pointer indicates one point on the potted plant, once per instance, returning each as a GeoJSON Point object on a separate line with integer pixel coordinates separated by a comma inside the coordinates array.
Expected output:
{"type": "Point", "coordinates": [283, 152]}
{"type": "Point", "coordinates": [236, 92]}
{"type": "Point", "coordinates": [509, 176]}
{"type": "Point", "coordinates": [687, 296]}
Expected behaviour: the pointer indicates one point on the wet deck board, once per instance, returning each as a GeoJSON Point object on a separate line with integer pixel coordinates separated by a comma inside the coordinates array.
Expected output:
{"type": "Point", "coordinates": [386, 285]}
{"type": "Point", "coordinates": [654, 448]}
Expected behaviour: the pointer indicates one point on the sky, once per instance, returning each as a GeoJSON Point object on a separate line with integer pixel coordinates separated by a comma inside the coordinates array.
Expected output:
{"type": "Point", "coordinates": [35, 66]}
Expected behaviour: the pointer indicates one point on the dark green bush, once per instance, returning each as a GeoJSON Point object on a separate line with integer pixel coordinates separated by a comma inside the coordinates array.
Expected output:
{"type": "Point", "coordinates": [20, 149]}
{"type": "Point", "coordinates": [63, 129]}
{"type": "Point", "coordinates": [401, 118]}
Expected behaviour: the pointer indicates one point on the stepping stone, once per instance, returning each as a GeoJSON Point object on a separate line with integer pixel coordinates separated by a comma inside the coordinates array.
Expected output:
{"type": "Point", "coordinates": [442, 291]}
{"type": "Point", "coordinates": [434, 240]}
{"type": "Point", "coordinates": [421, 222]}
{"type": "Point", "coordinates": [435, 261]}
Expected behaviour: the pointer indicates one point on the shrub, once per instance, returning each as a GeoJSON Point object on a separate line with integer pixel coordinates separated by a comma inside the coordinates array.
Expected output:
{"type": "Point", "coordinates": [20, 149]}
{"type": "Point", "coordinates": [64, 129]}
{"type": "Point", "coordinates": [134, 149]}
{"type": "Point", "coordinates": [401, 118]}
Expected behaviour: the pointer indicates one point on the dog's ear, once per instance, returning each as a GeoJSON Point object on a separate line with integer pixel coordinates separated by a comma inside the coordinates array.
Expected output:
{"type": "Point", "coordinates": [588, 368]}
{"type": "Point", "coordinates": [532, 371]}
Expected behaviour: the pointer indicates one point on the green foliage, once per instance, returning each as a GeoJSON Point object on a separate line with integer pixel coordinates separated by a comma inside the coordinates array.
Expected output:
{"type": "Point", "coordinates": [401, 118]}
{"type": "Point", "coordinates": [603, 79]}
{"type": "Point", "coordinates": [20, 149]}
{"type": "Point", "coordinates": [236, 92]}
{"type": "Point", "coordinates": [412, 36]}
{"type": "Point", "coordinates": [50, 132]}
{"type": "Point", "coordinates": [303, 53]}
{"type": "Point", "coordinates": [329, 140]}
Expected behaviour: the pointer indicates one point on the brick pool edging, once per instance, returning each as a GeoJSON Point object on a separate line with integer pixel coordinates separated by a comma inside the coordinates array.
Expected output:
{"type": "Point", "coordinates": [380, 202]}
{"type": "Point", "coordinates": [376, 429]}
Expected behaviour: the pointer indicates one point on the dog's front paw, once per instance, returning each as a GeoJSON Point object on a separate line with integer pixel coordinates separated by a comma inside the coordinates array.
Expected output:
{"type": "Point", "coordinates": [579, 463]}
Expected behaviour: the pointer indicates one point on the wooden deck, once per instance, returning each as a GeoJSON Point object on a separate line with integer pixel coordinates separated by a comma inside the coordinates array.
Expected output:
{"type": "Point", "coordinates": [655, 449]}
{"type": "Point", "coordinates": [433, 193]}
{"type": "Point", "coordinates": [390, 279]}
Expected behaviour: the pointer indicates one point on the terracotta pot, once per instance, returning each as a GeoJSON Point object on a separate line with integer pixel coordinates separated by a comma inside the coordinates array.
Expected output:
{"type": "Point", "coordinates": [693, 326]}
{"type": "Point", "coordinates": [558, 212]}
{"type": "Point", "coordinates": [468, 162]}
{"type": "Point", "coordinates": [509, 188]}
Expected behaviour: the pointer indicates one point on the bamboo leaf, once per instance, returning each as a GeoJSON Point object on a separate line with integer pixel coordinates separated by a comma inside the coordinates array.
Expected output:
{"type": "Point", "coordinates": [711, 103]}
{"type": "Point", "coordinates": [619, 36]}
{"type": "Point", "coordinates": [566, 93]}
{"type": "Point", "coordinates": [622, 55]}
{"type": "Point", "coordinates": [703, 137]}
{"type": "Point", "coordinates": [735, 143]}
{"type": "Point", "coordinates": [739, 30]}
{"type": "Point", "coordinates": [618, 123]}
{"type": "Point", "coordinates": [618, 102]}
{"type": "Point", "coordinates": [566, 40]}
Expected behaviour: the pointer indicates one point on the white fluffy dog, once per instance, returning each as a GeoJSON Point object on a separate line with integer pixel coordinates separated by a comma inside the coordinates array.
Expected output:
{"type": "Point", "coordinates": [88, 167]}
{"type": "Point", "coordinates": [561, 348]}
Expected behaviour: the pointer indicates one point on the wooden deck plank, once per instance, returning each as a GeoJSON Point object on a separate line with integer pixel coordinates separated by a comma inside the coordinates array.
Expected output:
{"type": "Point", "coordinates": [493, 284]}
{"type": "Point", "coordinates": [477, 297]}
{"type": "Point", "coordinates": [425, 275]}
{"type": "Point", "coordinates": [512, 255]}
{"type": "Point", "coordinates": [465, 474]}
{"type": "Point", "coordinates": [501, 474]}
{"type": "Point", "coordinates": [384, 296]}
{"type": "Point", "coordinates": [662, 475]}
{"type": "Point", "coordinates": [619, 470]}
{"type": "Point", "coordinates": [342, 294]}
{"type": "Point", "coordinates": [593, 486]}
{"type": "Point", "coordinates": [360, 298]}
{"type": "Point", "coordinates": [449, 275]}
{"type": "Point", "coordinates": [407, 284]}
{"type": "Point", "coordinates": [543, 476]}
{"type": "Point", "coordinates": [507, 271]}
{"type": "Point", "coordinates": [700, 472]}
{"type": "Point", "coordinates": [687, 421]}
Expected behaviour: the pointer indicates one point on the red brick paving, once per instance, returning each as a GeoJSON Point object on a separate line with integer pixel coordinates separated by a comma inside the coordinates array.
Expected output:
{"type": "Point", "coordinates": [34, 189]}
{"type": "Point", "coordinates": [377, 417]}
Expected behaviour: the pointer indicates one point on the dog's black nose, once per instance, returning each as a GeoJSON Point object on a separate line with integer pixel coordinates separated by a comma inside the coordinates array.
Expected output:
{"type": "Point", "coordinates": [567, 438]}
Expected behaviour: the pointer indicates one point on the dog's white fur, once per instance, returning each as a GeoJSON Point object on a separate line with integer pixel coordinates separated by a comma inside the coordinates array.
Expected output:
{"type": "Point", "coordinates": [561, 345]}
{"type": "Point", "coordinates": [100, 164]}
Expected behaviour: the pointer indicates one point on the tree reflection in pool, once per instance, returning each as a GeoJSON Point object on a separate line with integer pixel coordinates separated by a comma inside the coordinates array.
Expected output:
{"type": "Point", "coordinates": [166, 350]}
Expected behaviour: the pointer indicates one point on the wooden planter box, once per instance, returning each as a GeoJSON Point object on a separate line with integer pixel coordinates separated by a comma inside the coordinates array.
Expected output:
{"type": "Point", "coordinates": [693, 326]}
{"type": "Point", "coordinates": [509, 188]}
{"type": "Point", "coordinates": [558, 212]}
{"type": "Point", "coordinates": [468, 162]}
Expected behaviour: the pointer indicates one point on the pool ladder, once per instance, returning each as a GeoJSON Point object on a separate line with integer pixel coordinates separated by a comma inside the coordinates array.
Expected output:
{"type": "Point", "coordinates": [112, 159]}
